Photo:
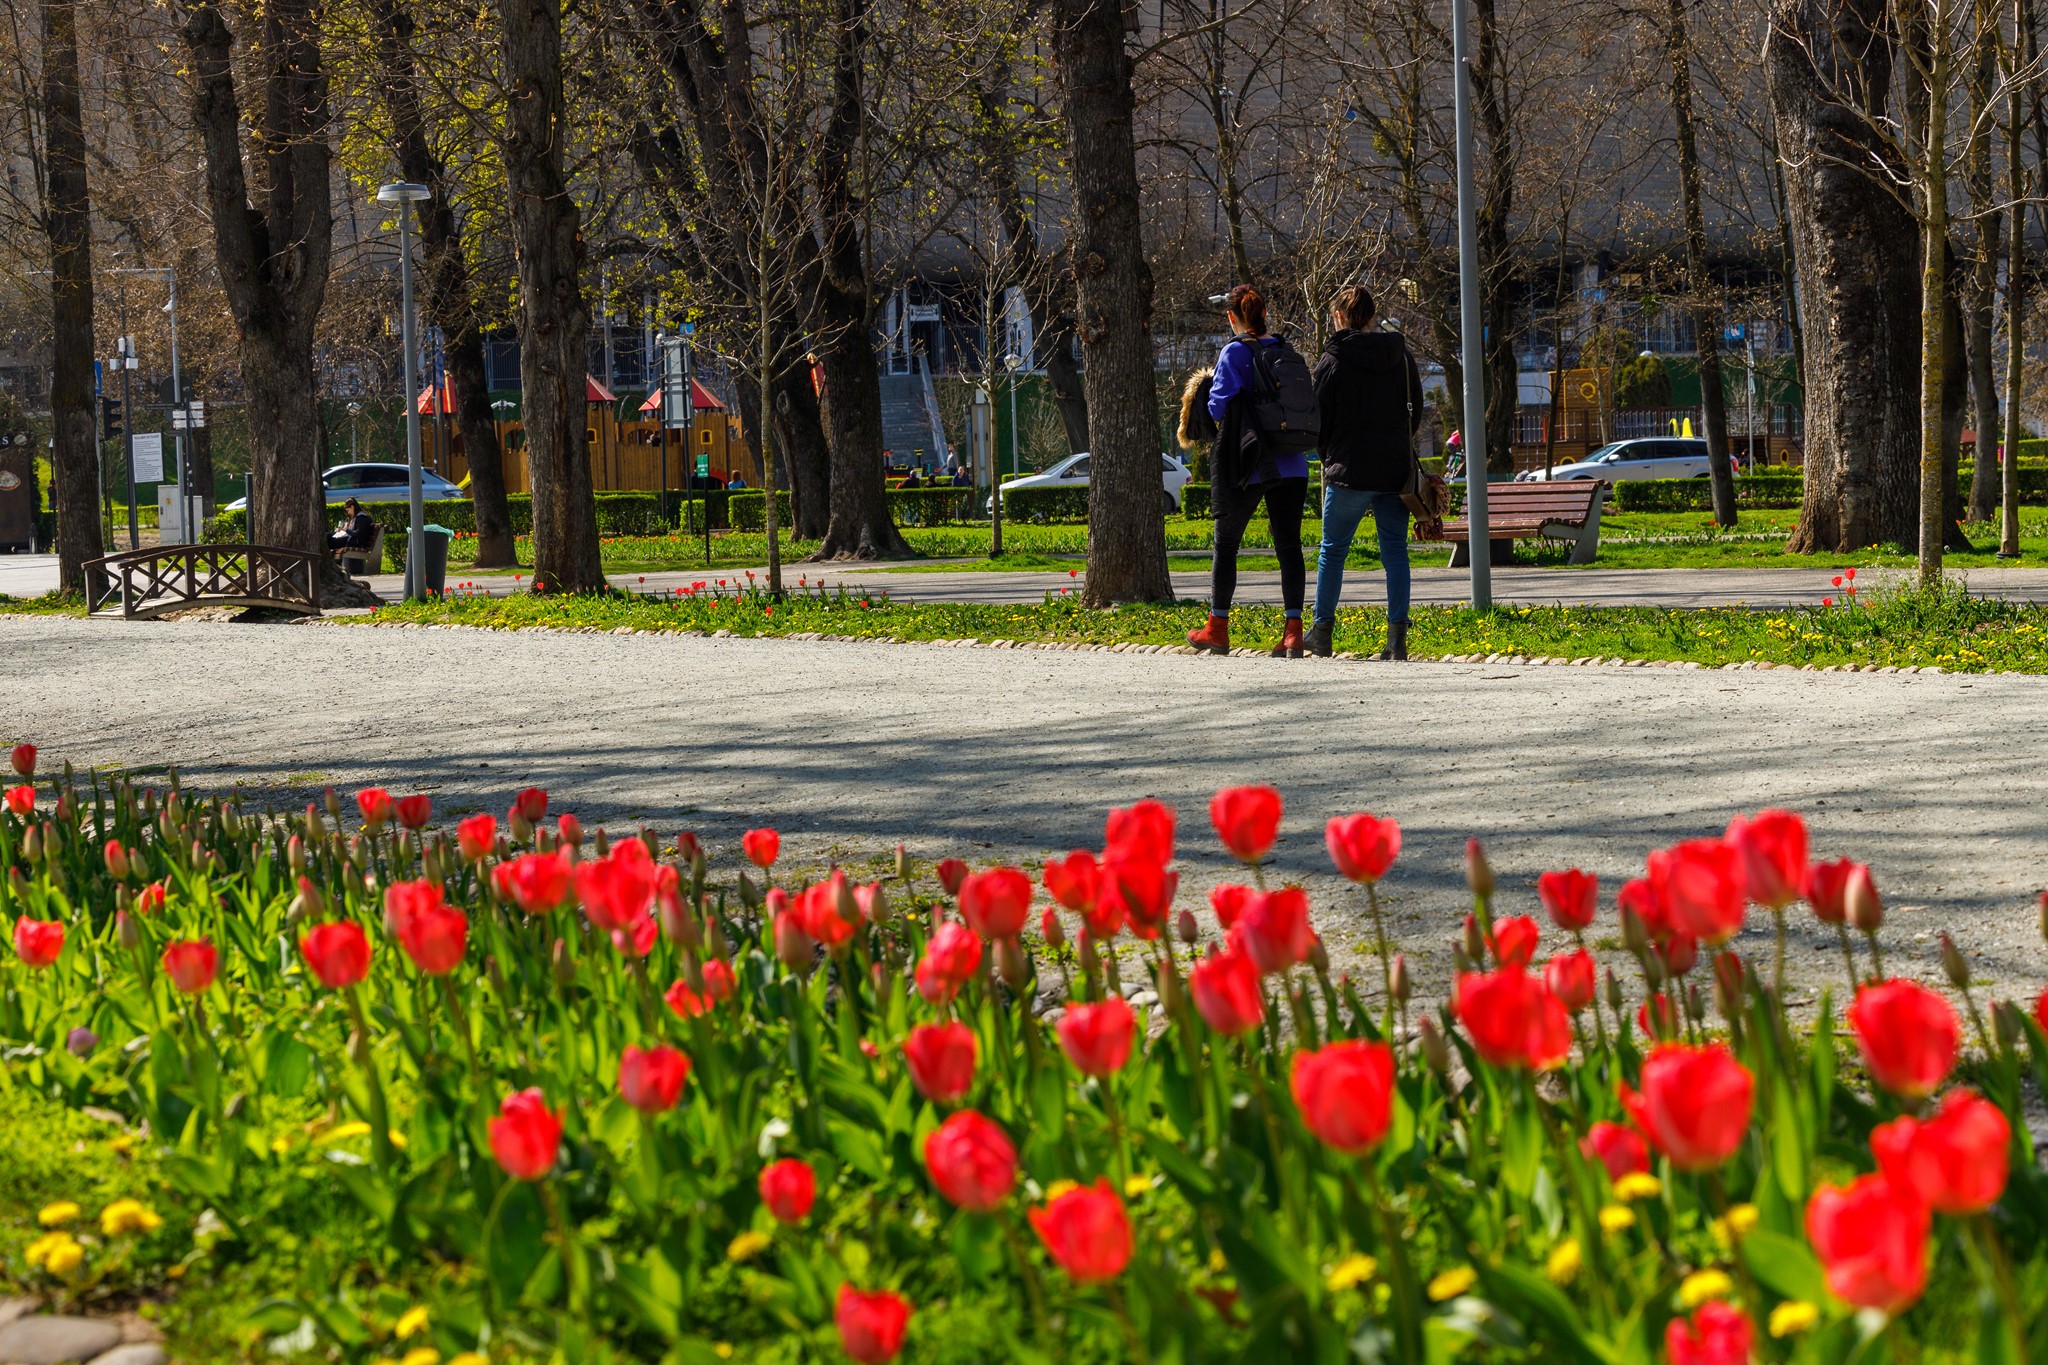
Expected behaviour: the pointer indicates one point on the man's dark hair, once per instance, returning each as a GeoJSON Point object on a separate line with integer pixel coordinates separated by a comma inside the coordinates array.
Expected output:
{"type": "Point", "coordinates": [1354, 303]}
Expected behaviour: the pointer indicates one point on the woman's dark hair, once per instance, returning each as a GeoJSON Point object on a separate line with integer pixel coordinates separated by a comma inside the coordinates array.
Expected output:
{"type": "Point", "coordinates": [1354, 304]}
{"type": "Point", "coordinates": [1250, 307]}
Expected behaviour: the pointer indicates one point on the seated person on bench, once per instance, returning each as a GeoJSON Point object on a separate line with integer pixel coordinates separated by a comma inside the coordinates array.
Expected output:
{"type": "Point", "coordinates": [358, 534]}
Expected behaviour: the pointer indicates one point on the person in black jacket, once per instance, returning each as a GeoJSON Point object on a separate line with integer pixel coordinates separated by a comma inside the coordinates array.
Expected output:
{"type": "Point", "coordinates": [1371, 398]}
{"type": "Point", "coordinates": [358, 533]}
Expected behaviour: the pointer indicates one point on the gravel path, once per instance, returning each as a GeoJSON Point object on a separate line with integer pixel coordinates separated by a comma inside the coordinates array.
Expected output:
{"type": "Point", "coordinates": [1939, 781]}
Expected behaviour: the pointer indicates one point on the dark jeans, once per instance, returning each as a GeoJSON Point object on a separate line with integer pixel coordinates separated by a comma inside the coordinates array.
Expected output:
{"type": "Point", "coordinates": [1284, 499]}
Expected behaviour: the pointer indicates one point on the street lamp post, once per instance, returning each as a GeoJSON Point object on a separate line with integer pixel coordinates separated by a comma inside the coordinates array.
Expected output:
{"type": "Point", "coordinates": [1013, 363]}
{"type": "Point", "coordinates": [402, 194]}
{"type": "Point", "coordinates": [1472, 338]}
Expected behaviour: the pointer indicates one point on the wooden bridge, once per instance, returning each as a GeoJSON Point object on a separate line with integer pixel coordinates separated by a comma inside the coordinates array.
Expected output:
{"type": "Point", "coordinates": [142, 584]}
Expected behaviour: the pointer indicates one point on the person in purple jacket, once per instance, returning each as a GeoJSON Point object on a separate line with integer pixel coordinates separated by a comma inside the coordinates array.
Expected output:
{"type": "Point", "coordinates": [1243, 475]}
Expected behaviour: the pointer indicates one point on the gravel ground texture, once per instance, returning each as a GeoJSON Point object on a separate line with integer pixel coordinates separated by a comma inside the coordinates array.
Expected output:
{"type": "Point", "coordinates": [1939, 781]}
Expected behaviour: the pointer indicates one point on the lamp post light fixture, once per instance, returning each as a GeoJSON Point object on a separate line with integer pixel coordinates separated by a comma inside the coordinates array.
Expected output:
{"type": "Point", "coordinates": [401, 194]}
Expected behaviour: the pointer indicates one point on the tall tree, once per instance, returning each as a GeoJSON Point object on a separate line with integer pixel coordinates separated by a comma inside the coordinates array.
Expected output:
{"type": "Point", "coordinates": [1703, 296]}
{"type": "Point", "coordinates": [67, 219]}
{"type": "Point", "coordinates": [1986, 221]}
{"type": "Point", "coordinates": [554, 319]}
{"type": "Point", "coordinates": [449, 299]}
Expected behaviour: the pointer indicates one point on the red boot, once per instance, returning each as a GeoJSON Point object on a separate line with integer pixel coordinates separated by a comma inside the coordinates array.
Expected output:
{"type": "Point", "coordinates": [1214, 637]}
{"type": "Point", "coordinates": [1290, 646]}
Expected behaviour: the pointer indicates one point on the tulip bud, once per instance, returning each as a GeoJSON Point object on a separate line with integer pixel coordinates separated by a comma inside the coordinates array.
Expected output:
{"type": "Point", "coordinates": [602, 846]}
{"type": "Point", "coordinates": [1634, 934]}
{"type": "Point", "coordinates": [333, 805]}
{"type": "Point", "coordinates": [1185, 925]}
{"type": "Point", "coordinates": [1953, 963]}
{"type": "Point", "coordinates": [1866, 908]}
{"type": "Point", "coordinates": [1398, 984]}
{"type": "Point", "coordinates": [295, 854]}
{"type": "Point", "coordinates": [1653, 969]}
{"type": "Point", "coordinates": [314, 829]}
{"type": "Point", "coordinates": [81, 1041]}
{"type": "Point", "coordinates": [1319, 956]}
{"type": "Point", "coordinates": [1169, 990]}
{"type": "Point", "coordinates": [522, 828]}
{"type": "Point", "coordinates": [1435, 1050]}
{"type": "Point", "coordinates": [1091, 961]}
{"type": "Point", "coordinates": [1614, 995]}
{"type": "Point", "coordinates": [572, 831]}
{"type": "Point", "coordinates": [561, 965]}
{"type": "Point", "coordinates": [878, 905]}
{"type": "Point", "coordinates": [750, 895]}
{"type": "Point", "coordinates": [1010, 964]}
{"type": "Point", "coordinates": [122, 900]}
{"type": "Point", "coordinates": [2044, 914]}
{"type": "Point", "coordinates": [117, 861]}
{"type": "Point", "coordinates": [675, 920]}
{"type": "Point", "coordinates": [1474, 942]}
{"type": "Point", "coordinates": [714, 937]}
{"type": "Point", "coordinates": [1694, 1001]}
{"type": "Point", "coordinates": [902, 864]}
{"type": "Point", "coordinates": [697, 869]}
{"type": "Point", "coordinates": [316, 904]}
{"type": "Point", "coordinates": [32, 843]}
{"type": "Point", "coordinates": [2006, 1025]}
{"type": "Point", "coordinates": [127, 931]}
{"type": "Point", "coordinates": [1055, 932]}
{"type": "Point", "coordinates": [795, 948]}
{"type": "Point", "coordinates": [848, 907]}
{"type": "Point", "coordinates": [1460, 962]}
{"type": "Point", "coordinates": [64, 807]}
{"type": "Point", "coordinates": [1728, 982]}
{"type": "Point", "coordinates": [1478, 872]}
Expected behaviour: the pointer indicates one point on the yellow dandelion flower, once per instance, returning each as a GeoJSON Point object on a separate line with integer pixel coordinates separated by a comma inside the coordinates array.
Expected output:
{"type": "Point", "coordinates": [38, 1251]}
{"type": "Point", "coordinates": [1791, 1318]}
{"type": "Point", "coordinates": [1352, 1271]}
{"type": "Point", "coordinates": [1452, 1283]}
{"type": "Point", "coordinates": [1702, 1285]}
{"type": "Point", "coordinates": [746, 1246]}
{"type": "Point", "coordinates": [1615, 1218]}
{"type": "Point", "coordinates": [1060, 1187]}
{"type": "Point", "coordinates": [398, 1139]}
{"type": "Point", "coordinates": [1563, 1262]}
{"type": "Point", "coordinates": [1732, 1226]}
{"type": "Point", "coordinates": [421, 1355]}
{"type": "Point", "coordinates": [470, 1358]}
{"type": "Point", "coordinates": [280, 1144]}
{"type": "Point", "coordinates": [723, 1350]}
{"type": "Point", "coordinates": [1137, 1186]}
{"type": "Point", "coordinates": [58, 1214]}
{"type": "Point", "coordinates": [123, 1143]}
{"type": "Point", "coordinates": [1637, 1185]}
{"type": "Point", "coordinates": [64, 1258]}
{"type": "Point", "coordinates": [1217, 1265]}
{"type": "Point", "coordinates": [411, 1321]}
{"type": "Point", "coordinates": [342, 1132]}
{"type": "Point", "coordinates": [128, 1215]}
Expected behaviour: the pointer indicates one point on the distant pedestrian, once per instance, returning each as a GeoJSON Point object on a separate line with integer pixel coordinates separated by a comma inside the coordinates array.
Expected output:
{"type": "Point", "coordinates": [1370, 392]}
{"type": "Point", "coordinates": [356, 533]}
{"type": "Point", "coordinates": [737, 480]}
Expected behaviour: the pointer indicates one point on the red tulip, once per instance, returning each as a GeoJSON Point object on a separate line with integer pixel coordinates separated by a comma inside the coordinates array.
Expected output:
{"type": "Point", "coordinates": [1656, 1018]}
{"type": "Point", "coordinates": [638, 938]}
{"type": "Point", "coordinates": [1106, 918]}
{"type": "Point", "coordinates": [1071, 880]}
{"type": "Point", "coordinates": [996, 903]}
{"type": "Point", "coordinates": [1955, 1162]}
{"type": "Point", "coordinates": [871, 1325]}
{"type": "Point", "coordinates": [1362, 846]}
{"type": "Point", "coordinates": [1228, 900]}
{"type": "Point", "coordinates": [1087, 1232]}
{"type": "Point", "coordinates": [38, 942]}
{"type": "Point", "coordinates": [150, 899]}
{"type": "Point", "coordinates": [951, 873]}
{"type": "Point", "coordinates": [476, 837]}
{"type": "Point", "coordinates": [1345, 1092]}
{"type": "Point", "coordinates": [1572, 978]}
{"type": "Point", "coordinates": [531, 805]}
{"type": "Point", "coordinates": [950, 960]}
{"type": "Point", "coordinates": [1699, 887]}
{"type": "Point", "coordinates": [941, 1060]}
{"type": "Point", "coordinates": [415, 811]}
{"type": "Point", "coordinates": [1719, 1334]}
{"type": "Point", "coordinates": [23, 760]}
{"type": "Point", "coordinates": [1908, 1036]}
{"type": "Point", "coordinates": [1694, 1105]}
{"type": "Point", "coordinates": [688, 847]}
{"type": "Point", "coordinates": [762, 847]}
{"type": "Point", "coordinates": [817, 910]}
{"type": "Point", "coordinates": [789, 1187]}
{"type": "Point", "coordinates": [1772, 847]}
{"type": "Point", "coordinates": [1512, 1020]}
{"type": "Point", "coordinates": [618, 889]}
{"type": "Point", "coordinates": [1827, 889]}
{"type": "Point", "coordinates": [794, 946]}
{"type": "Point", "coordinates": [1571, 897]}
{"type": "Point", "coordinates": [1146, 889]}
{"type": "Point", "coordinates": [337, 952]}
{"type": "Point", "coordinates": [651, 1079]}
{"type": "Point", "coordinates": [718, 984]}
{"type": "Point", "coordinates": [1514, 940]}
{"type": "Point", "coordinates": [1620, 1150]}
{"type": "Point", "coordinates": [1274, 930]}
{"type": "Point", "coordinates": [1226, 990]}
{"type": "Point", "coordinates": [1142, 832]}
{"type": "Point", "coordinates": [571, 830]}
{"type": "Point", "coordinates": [433, 934]}
{"type": "Point", "coordinates": [526, 1135]}
{"type": "Point", "coordinates": [190, 964]}
{"type": "Point", "coordinates": [972, 1161]}
{"type": "Point", "coordinates": [1097, 1037]}
{"type": "Point", "coordinates": [116, 859]}
{"type": "Point", "coordinates": [22, 801]}
{"type": "Point", "coordinates": [535, 882]}
{"type": "Point", "coordinates": [1247, 820]}
{"type": "Point", "coordinates": [1871, 1237]}
{"type": "Point", "coordinates": [1680, 952]}
{"type": "Point", "coordinates": [375, 804]}
{"type": "Point", "coordinates": [1639, 898]}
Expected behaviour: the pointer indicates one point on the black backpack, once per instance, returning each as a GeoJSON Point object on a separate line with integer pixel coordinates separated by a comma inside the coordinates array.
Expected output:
{"type": "Point", "coordinates": [1284, 406]}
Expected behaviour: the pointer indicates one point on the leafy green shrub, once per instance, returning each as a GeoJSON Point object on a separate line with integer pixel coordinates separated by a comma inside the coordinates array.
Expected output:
{"type": "Point", "coordinates": [747, 510]}
{"type": "Point", "coordinates": [937, 506]}
{"type": "Point", "coordinates": [1194, 500]}
{"type": "Point", "coordinates": [1774, 489]}
{"type": "Point", "coordinates": [1046, 504]}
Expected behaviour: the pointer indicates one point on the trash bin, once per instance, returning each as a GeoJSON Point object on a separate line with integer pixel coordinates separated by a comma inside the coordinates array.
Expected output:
{"type": "Point", "coordinates": [436, 561]}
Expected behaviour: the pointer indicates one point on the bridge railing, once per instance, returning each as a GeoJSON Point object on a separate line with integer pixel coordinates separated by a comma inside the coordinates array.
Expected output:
{"type": "Point", "coordinates": [168, 578]}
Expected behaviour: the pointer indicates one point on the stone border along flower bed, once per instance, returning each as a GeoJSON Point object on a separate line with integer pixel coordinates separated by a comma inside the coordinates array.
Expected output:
{"type": "Point", "coordinates": [682, 1110]}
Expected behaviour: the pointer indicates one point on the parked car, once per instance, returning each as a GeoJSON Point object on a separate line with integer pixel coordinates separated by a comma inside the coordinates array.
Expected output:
{"type": "Point", "coordinates": [1072, 472]}
{"type": "Point", "coordinates": [1663, 457]}
{"type": "Point", "coordinates": [375, 483]}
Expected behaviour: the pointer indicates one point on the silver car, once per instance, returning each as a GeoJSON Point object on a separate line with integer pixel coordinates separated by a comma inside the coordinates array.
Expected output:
{"type": "Point", "coordinates": [1660, 457]}
{"type": "Point", "coordinates": [1072, 472]}
{"type": "Point", "coordinates": [371, 482]}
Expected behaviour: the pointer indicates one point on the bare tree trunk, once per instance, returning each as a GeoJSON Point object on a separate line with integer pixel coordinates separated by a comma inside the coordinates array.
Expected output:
{"type": "Point", "coordinates": [1705, 298]}
{"type": "Point", "coordinates": [1934, 302]}
{"type": "Point", "coordinates": [1828, 67]}
{"type": "Point", "coordinates": [2022, 54]}
{"type": "Point", "coordinates": [1113, 287]}
{"type": "Point", "coordinates": [1496, 264]}
{"type": "Point", "coordinates": [448, 300]}
{"type": "Point", "coordinates": [800, 435]}
{"type": "Point", "coordinates": [1982, 306]}
{"type": "Point", "coordinates": [554, 318]}
{"type": "Point", "coordinates": [68, 223]}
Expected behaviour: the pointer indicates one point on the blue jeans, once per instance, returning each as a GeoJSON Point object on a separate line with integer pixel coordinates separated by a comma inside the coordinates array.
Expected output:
{"type": "Point", "coordinates": [1343, 509]}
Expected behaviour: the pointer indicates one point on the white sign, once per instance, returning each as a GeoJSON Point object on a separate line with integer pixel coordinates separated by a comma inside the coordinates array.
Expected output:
{"type": "Point", "coordinates": [149, 457]}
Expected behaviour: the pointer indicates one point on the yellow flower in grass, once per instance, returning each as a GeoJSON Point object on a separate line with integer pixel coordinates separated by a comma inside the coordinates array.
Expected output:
{"type": "Point", "coordinates": [128, 1215]}
{"type": "Point", "coordinates": [38, 1252]}
{"type": "Point", "coordinates": [746, 1246]}
{"type": "Point", "coordinates": [1637, 1185]}
{"type": "Point", "coordinates": [1615, 1218]}
{"type": "Point", "coordinates": [58, 1214]}
{"type": "Point", "coordinates": [411, 1321]}
{"type": "Point", "coordinates": [1563, 1262]}
{"type": "Point", "coordinates": [1137, 1186]}
{"type": "Point", "coordinates": [1217, 1265]}
{"type": "Point", "coordinates": [723, 1350]}
{"type": "Point", "coordinates": [421, 1355]}
{"type": "Point", "coordinates": [1734, 1225]}
{"type": "Point", "coordinates": [1060, 1187]}
{"type": "Point", "coordinates": [123, 1143]}
{"type": "Point", "coordinates": [1351, 1272]}
{"type": "Point", "coordinates": [1791, 1318]}
{"type": "Point", "coordinates": [469, 1358]}
{"type": "Point", "coordinates": [1703, 1285]}
{"type": "Point", "coordinates": [1452, 1283]}
{"type": "Point", "coordinates": [64, 1258]}
{"type": "Point", "coordinates": [342, 1132]}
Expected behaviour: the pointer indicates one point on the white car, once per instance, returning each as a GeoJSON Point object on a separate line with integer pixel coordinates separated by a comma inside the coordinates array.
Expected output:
{"type": "Point", "coordinates": [1072, 472]}
{"type": "Point", "coordinates": [376, 482]}
{"type": "Point", "coordinates": [1662, 457]}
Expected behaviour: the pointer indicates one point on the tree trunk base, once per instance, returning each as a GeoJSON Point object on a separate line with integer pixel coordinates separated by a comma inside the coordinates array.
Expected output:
{"type": "Point", "coordinates": [871, 542]}
{"type": "Point", "coordinates": [497, 552]}
{"type": "Point", "coordinates": [337, 589]}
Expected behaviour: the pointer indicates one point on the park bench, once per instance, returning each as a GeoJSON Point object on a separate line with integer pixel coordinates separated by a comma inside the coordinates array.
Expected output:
{"type": "Point", "coordinates": [1526, 511]}
{"type": "Point", "coordinates": [364, 559]}
{"type": "Point", "coordinates": [141, 584]}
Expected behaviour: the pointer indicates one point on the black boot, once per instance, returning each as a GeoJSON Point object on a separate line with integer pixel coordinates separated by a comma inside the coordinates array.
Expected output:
{"type": "Point", "coordinates": [1318, 639]}
{"type": "Point", "coordinates": [1397, 641]}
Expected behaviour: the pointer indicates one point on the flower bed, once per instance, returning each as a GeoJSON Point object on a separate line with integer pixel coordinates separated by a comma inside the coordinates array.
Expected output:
{"type": "Point", "coordinates": [643, 1103]}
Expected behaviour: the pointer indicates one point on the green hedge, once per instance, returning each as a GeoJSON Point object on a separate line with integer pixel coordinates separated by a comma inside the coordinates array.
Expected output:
{"type": "Point", "coordinates": [1697, 495]}
{"type": "Point", "coordinates": [937, 506]}
{"type": "Point", "coordinates": [1194, 500]}
{"type": "Point", "coordinates": [1046, 504]}
{"type": "Point", "coordinates": [747, 510]}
